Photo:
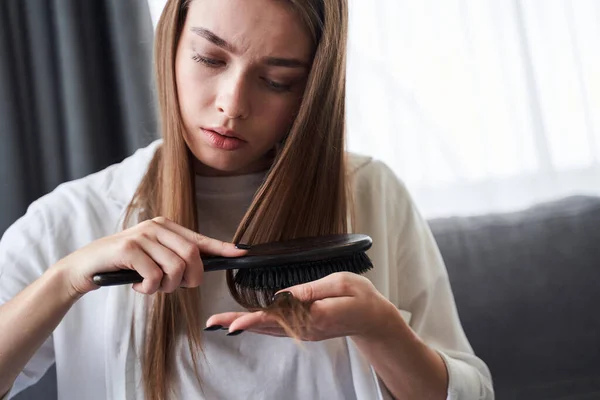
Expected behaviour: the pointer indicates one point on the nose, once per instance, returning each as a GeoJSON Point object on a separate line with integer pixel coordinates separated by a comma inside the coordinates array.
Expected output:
{"type": "Point", "coordinates": [232, 99]}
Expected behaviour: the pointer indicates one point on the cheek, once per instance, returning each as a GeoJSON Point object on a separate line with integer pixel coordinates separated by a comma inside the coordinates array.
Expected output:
{"type": "Point", "coordinates": [278, 117]}
{"type": "Point", "coordinates": [193, 91]}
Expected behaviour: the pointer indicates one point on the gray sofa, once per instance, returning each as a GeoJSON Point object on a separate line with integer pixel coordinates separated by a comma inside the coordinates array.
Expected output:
{"type": "Point", "coordinates": [527, 286]}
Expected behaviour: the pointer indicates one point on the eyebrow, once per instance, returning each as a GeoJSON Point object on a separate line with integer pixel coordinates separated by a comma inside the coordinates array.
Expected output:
{"type": "Point", "coordinates": [211, 37]}
{"type": "Point", "coordinates": [271, 61]}
{"type": "Point", "coordinates": [285, 62]}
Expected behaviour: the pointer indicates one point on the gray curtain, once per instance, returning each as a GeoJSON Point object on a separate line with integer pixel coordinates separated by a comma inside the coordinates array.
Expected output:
{"type": "Point", "coordinates": [76, 95]}
{"type": "Point", "coordinates": [75, 92]}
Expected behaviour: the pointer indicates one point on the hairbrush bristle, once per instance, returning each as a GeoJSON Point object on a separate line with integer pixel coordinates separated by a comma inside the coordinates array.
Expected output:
{"type": "Point", "coordinates": [284, 276]}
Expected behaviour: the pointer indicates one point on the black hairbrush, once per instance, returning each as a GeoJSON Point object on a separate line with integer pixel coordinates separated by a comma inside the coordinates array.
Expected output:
{"type": "Point", "coordinates": [278, 265]}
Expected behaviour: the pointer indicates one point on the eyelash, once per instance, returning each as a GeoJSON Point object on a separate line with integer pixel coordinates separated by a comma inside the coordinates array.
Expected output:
{"type": "Point", "coordinates": [211, 63]}
{"type": "Point", "coordinates": [276, 86]}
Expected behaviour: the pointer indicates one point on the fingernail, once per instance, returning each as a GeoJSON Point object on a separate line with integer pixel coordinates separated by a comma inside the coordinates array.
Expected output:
{"type": "Point", "coordinates": [235, 333]}
{"type": "Point", "coordinates": [213, 328]}
{"type": "Point", "coordinates": [282, 296]}
{"type": "Point", "coordinates": [242, 246]}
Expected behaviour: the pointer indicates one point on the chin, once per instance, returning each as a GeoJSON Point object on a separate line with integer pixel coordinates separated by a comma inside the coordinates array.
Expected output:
{"type": "Point", "coordinates": [218, 162]}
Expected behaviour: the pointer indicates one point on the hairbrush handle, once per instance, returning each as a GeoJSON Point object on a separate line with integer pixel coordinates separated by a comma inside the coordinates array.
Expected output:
{"type": "Point", "coordinates": [129, 276]}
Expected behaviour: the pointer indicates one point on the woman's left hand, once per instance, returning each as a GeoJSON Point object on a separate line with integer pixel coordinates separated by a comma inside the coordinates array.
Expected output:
{"type": "Point", "coordinates": [343, 304]}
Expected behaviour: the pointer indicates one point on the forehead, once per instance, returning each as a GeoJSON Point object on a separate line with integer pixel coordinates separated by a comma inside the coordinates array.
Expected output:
{"type": "Point", "coordinates": [264, 26]}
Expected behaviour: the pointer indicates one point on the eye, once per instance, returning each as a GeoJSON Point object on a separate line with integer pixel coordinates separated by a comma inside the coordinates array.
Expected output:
{"type": "Point", "coordinates": [277, 86]}
{"type": "Point", "coordinates": [209, 62]}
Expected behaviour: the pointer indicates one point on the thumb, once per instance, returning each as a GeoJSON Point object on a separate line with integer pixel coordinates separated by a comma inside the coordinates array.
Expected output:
{"type": "Point", "coordinates": [334, 285]}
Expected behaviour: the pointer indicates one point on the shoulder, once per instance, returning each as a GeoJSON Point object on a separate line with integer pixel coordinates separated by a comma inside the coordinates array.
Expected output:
{"type": "Point", "coordinates": [381, 203]}
{"type": "Point", "coordinates": [114, 186]}
{"type": "Point", "coordinates": [371, 178]}
{"type": "Point", "coordinates": [83, 209]}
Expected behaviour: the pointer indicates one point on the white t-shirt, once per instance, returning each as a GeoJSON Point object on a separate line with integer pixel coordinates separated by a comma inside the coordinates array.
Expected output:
{"type": "Point", "coordinates": [230, 365]}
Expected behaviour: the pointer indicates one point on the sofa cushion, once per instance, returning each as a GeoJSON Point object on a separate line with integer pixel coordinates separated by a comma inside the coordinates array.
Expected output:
{"type": "Point", "coordinates": [527, 287]}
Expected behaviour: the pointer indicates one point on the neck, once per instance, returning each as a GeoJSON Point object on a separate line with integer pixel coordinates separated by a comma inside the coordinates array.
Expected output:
{"type": "Point", "coordinates": [259, 165]}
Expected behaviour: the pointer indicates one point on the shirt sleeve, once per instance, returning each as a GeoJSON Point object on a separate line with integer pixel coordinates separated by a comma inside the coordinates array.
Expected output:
{"type": "Point", "coordinates": [23, 259]}
{"type": "Point", "coordinates": [415, 279]}
{"type": "Point", "coordinates": [429, 297]}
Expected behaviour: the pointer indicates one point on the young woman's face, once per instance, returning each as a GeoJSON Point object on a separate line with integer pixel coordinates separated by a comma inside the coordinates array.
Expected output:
{"type": "Point", "coordinates": [241, 69]}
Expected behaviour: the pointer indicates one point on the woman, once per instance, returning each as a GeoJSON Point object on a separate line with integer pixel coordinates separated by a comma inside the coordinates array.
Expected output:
{"type": "Point", "coordinates": [252, 105]}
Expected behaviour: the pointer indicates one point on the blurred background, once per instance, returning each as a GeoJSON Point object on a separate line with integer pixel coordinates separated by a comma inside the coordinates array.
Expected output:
{"type": "Point", "coordinates": [488, 110]}
{"type": "Point", "coordinates": [479, 106]}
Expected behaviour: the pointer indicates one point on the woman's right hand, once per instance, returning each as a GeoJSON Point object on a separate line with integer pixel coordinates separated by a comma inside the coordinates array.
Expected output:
{"type": "Point", "coordinates": [164, 253]}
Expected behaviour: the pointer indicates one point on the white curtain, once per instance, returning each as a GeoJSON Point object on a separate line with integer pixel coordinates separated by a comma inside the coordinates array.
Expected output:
{"type": "Point", "coordinates": [156, 7]}
{"type": "Point", "coordinates": [478, 105]}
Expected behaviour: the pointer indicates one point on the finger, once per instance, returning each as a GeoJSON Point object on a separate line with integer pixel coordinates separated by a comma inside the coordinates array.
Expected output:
{"type": "Point", "coordinates": [135, 258]}
{"type": "Point", "coordinates": [258, 320]}
{"type": "Point", "coordinates": [172, 265]}
{"type": "Point", "coordinates": [224, 319]}
{"type": "Point", "coordinates": [340, 284]}
{"type": "Point", "coordinates": [277, 332]}
{"type": "Point", "coordinates": [204, 243]}
{"type": "Point", "coordinates": [193, 268]}
{"type": "Point", "coordinates": [243, 321]}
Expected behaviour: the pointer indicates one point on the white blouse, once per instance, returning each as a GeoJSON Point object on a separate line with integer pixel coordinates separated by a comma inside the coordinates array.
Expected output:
{"type": "Point", "coordinates": [95, 347]}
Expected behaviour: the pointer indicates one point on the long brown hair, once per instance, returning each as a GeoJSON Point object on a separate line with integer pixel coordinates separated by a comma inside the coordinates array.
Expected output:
{"type": "Point", "coordinates": [305, 192]}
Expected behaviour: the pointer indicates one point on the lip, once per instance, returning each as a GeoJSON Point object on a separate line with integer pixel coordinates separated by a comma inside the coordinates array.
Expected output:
{"type": "Point", "coordinates": [225, 132]}
{"type": "Point", "coordinates": [222, 142]}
